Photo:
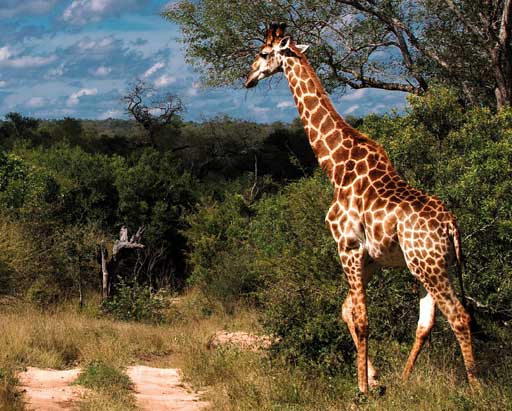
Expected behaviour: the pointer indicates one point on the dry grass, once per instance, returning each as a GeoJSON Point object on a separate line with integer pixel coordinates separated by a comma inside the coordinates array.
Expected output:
{"type": "Point", "coordinates": [236, 380]}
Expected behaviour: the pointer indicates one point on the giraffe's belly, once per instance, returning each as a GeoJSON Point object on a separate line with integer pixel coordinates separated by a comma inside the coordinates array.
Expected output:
{"type": "Point", "coordinates": [386, 256]}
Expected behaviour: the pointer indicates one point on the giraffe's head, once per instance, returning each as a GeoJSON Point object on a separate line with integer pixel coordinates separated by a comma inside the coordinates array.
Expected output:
{"type": "Point", "coordinates": [271, 55]}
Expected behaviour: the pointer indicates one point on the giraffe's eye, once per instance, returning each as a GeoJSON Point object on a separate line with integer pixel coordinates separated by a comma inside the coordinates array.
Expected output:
{"type": "Point", "coordinates": [264, 55]}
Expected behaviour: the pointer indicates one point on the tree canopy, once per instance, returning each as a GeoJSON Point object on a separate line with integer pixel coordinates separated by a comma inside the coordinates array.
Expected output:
{"type": "Point", "coordinates": [401, 45]}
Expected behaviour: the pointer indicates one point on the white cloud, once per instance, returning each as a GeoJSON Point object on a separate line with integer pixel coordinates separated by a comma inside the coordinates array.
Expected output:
{"type": "Point", "coordinates": [285, 104]}
{"type": "Point", "coordinates": [28, 61]}
{"type": "Point", "coordinates": [355, 95]}
{"type": "Point", "coordinates": [35, 102]}
{"type": "Point", "coordinates": [81, 12]}
{"type": "Point", "coordinates": [8, 58]}
{"type": "Point", "coordinates": [11, 8]}
{"type": "Point", "coordinates": [153, 69]}
{"type": "Point", "coordinates": [351, 109]}
{"type": "Point", "coordinates": [164, 80]}
{"type": "Point", "coordinates": [73, 99]}
{"type": "Point", "coordinates": [55, 72]}
{"type": "Point", "coordinates": [111, 114]}
{"type": "Point", "coordinates": [95, 45]}
{"type": "Point", "coordinates": [102, 71]}
{"type": "Point", "coordinates": [259, 110]}
{"type": "Point", "coordinates": [4, 53]}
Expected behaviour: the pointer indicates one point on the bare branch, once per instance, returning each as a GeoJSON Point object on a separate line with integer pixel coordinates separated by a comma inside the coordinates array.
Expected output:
{"type": "Point", "coordinates": [123, 242]}
{"type": "Point", "coordinates": [153, 116]}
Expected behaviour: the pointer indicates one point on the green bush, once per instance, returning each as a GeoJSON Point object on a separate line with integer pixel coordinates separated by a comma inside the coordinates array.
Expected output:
{"type": "Point", "coordinates": [218, 235]}
{"type": "Point", "coordinates": [280, 249]}
{"type": "Point", "coordinates": [44, 293]}
{"type": "Point", "coordinates": [134, 302]}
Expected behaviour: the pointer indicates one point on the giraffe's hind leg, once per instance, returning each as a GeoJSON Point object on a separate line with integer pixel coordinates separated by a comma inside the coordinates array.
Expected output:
{"type": "Point", "coordinates": [425, 324]}
{"type": "Point", "coordinates": [436, 281]}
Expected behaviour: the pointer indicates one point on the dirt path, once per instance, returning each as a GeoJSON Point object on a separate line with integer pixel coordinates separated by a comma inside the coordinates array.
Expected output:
{"type": "Point", "coordinates": [156, 389]}
{"type": "Point", "coordinates": [50, 390]}
{"type": "Point", "coordinates": [161, 389]}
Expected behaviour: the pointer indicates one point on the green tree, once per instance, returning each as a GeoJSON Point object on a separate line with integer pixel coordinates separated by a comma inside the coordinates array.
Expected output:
{"type": "Point", "coordinates": [400, 45]}
{"type": "Point", "coordinates": [154, 192]}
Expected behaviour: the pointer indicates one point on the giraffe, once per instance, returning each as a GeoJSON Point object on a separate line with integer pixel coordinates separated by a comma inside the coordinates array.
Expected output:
{"type": "Point", "coordinates": [376, 218]}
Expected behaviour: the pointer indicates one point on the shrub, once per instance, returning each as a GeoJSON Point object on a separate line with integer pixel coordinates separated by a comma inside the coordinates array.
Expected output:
{"type": "Point", "coordinates": [134, 302]}
{"type": "Point", "coordinates": [44, 293]}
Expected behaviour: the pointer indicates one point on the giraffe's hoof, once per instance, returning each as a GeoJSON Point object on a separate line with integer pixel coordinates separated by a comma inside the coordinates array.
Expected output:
{"type": "Point", "coordinates": [378, 390]}
{"type": "Point", "coordinates": [359, 399]}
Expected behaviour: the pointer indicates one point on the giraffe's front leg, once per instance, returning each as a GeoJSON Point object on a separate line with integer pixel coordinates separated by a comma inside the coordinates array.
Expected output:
{"type": "Point", "coordinates": [347, 316]}
{"type": "Point", "coordinates": [353, 265]}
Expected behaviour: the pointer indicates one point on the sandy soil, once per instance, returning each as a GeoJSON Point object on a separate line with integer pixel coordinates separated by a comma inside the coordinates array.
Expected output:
{"type": "Point", "coordinates": [240, 339]}
{"type": "Point", "coordinates": [50, 390]}
{"type": "Point", "coordinates": [161, 389]}
{"type": "Point", "coordinates": [156, 389]}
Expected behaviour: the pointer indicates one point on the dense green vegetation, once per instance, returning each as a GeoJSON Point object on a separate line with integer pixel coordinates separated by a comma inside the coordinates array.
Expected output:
{"type": "Point", "coordinates": [238, 214]}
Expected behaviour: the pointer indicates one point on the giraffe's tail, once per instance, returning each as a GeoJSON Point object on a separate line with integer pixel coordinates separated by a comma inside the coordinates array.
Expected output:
{"type": "Point", "coordinates": [455, 236]}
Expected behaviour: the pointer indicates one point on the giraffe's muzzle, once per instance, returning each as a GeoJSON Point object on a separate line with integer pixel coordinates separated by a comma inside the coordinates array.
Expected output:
{"type": "Point", "coordinates": [252, 79]}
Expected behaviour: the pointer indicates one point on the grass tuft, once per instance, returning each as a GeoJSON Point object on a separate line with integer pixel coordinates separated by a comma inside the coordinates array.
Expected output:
{"type": "Point", "coordinates": [98, 375]}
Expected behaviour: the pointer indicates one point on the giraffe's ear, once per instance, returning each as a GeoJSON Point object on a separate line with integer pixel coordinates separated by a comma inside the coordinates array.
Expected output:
{"type": "Point", "coordinates": [284, 43]}
{"type": "Point", "coordinates": [302, 47]}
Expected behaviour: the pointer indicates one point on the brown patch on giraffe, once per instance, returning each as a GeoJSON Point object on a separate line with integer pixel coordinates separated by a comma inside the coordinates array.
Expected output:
{"type": "Point", "coordinates": [312, 134]}
{"type": "Point", "coordinates": [311, 102]}
{"type": "Point", "coordinates": [318, 115]}
{"type": "Point", "coordinates": [349, 166]}
{"type": "Point", "coordinates": [347, 143]}
{"type": "Point", "coordinates": [340, 155]}
{"type": "Point", "coordinates": [358, 152]}
{"type": "Point", "coordinates": [376, 175]}
{"type": "Point", "coordinates": [311, 86]}
{"type": "Point", "coordinates": [327, 166]}
{"type": "Point", "coordinates": [361, 168]}
{"type": "Point", "coordinates": [327, 125]}
{"type": "Point", "coordinates": [332, 140]}
{"type": "Point", "coordinates": [321, 149]}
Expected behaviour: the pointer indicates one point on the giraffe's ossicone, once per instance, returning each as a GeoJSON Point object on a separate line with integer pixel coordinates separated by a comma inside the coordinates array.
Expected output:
{"type": "Point", "coordinates": [376, 218]}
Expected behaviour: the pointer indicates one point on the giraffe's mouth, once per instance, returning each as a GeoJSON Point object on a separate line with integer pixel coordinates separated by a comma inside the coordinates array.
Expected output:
{"type": "Point", "coordinates": [252, 80]}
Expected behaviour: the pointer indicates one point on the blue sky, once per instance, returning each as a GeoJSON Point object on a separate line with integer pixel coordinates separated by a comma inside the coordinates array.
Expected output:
{"type": "Point", "coordinates": [77, 58]}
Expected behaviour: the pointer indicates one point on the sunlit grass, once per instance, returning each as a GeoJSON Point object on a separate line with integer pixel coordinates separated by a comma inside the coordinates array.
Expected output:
{"type": "Point", "coordinates": [235, 380]}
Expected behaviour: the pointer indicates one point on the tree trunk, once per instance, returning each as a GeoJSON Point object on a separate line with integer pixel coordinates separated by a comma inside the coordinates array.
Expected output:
{"type": "Point", "coordinates": [503, 75]}
{"type": "Point", "coordinates": [104, 271]}
{"type": "Point", "coordinates": [108, 267]}
{"type": "Point", "coordinates": [501, 57]}
{"type": "Point", "coordinates": [80, 293]}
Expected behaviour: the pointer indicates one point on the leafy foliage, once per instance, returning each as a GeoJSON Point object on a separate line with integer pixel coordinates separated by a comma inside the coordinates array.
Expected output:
{"type": "Point", "coordinates": [394, 45]}
{"type": "Point", "coordinates": [134, 302]}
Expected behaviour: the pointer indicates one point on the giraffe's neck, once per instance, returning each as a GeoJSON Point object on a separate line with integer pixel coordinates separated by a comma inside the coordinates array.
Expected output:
{"type": "Point", "coordinates": [321, 121]}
